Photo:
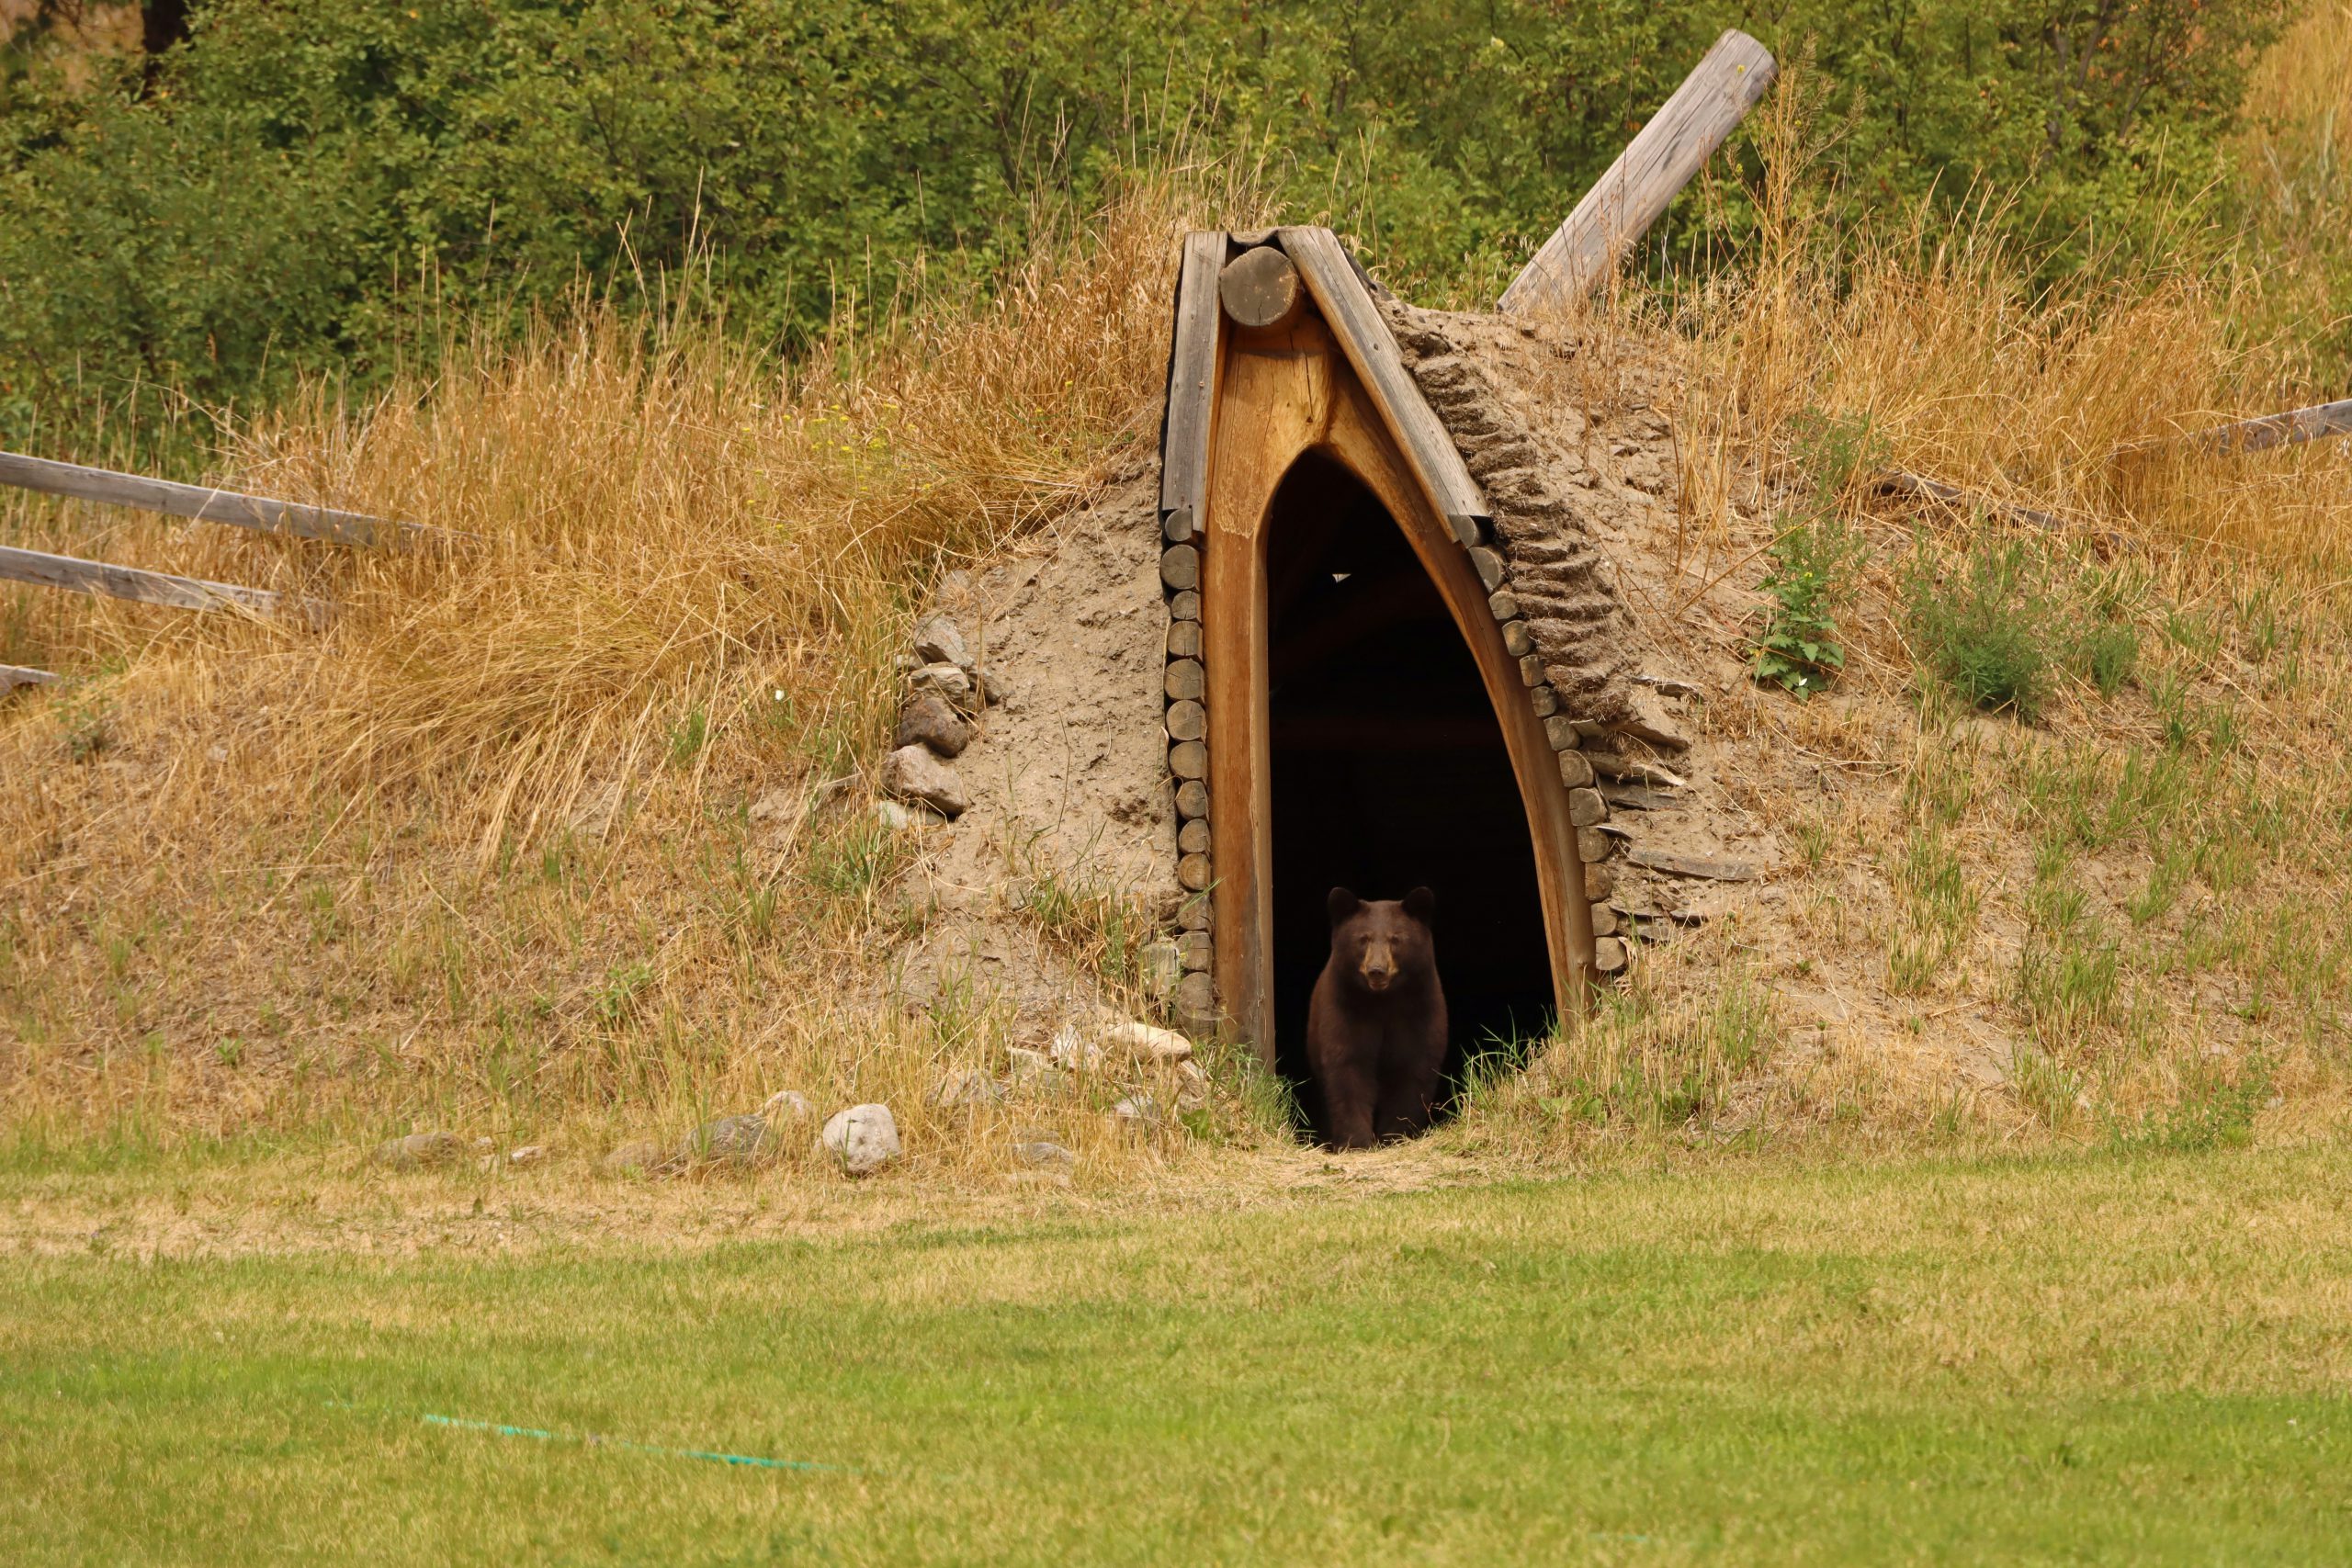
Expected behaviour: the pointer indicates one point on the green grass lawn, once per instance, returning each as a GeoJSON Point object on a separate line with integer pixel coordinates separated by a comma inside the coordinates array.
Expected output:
{"type": "Point", "coordinates": [2088, 1359]}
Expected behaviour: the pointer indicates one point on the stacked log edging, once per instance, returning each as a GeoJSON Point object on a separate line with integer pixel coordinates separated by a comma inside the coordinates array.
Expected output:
{"type": "Point", "coordinates": [1186, 693]}
{"type": "Point", "coordinates": [1548, 589]}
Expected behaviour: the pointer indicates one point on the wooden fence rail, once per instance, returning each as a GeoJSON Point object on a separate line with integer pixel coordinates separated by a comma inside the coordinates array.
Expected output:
{"type": "Point", "coordinates": [15, 675]}
{"type": "Point", "coordinates": [1673, 146]}
{"type": "Point", "coordinates": [149, 587]}
{"type": "Point", "coordinates": [201, 504]}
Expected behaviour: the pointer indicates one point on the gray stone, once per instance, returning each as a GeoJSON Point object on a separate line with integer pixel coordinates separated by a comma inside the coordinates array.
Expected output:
{"type": "Point", "coordinates": [913, 774]}
{"type": "Point", "coordinates": [1180, 568]}
{"type": "Point", "coordinates": [965, 1089]}
{"type": "Point", "coordinates": [893, 815]}
{"type": "Point", "coordinates": [1184, 640]}
{"type": "Point", "coordinates": [1184, 606]}
{"type": "Point", "coordinates": [1188, 760]}
{"type": "Point", "coordinates": [735, 1138]}
{"type": "Point", "coordinates": [638, 1154]}
{"type": "Point", "coordinates": [1192, 799]}
{"type": "Point", "coordinates": [1193, 838]}
{"type": "Point", "coordinates": [1192, 1085]}
{"type": "Point", "coordinates": [1138, 1111]}
{"type": "Point", "coordinates": [1187, 720]}
{"type": "Point", "coordinates": [788, 1107]}
{"type": "Point", "coordinates": [862, 1139]}
{"type": "Point", "coordinates": [937, 641]}
{"type": "Point", "coordinates": [419, 1149]}
{"type": "Point", "coordinates": [950, 681]}
{"type": "Point", "coordinates": [930, 721]}
{"type": "Point", "coordinates": [1585, 808]}
{"type": "Point", "coordinates": [1185, 680]}
{"type": "Point", "coordinates": [529, 1154]}
{"type": "Point", "coordinates": [1575, 772]}
{"type": "Point", "coordinates": [1044, 1152]}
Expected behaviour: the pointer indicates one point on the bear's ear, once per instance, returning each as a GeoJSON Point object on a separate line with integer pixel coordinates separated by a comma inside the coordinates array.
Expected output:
{"type": "Point", "coordinates": [1421, 904]}
{"type": "Point", "coordinates": [1341, 903]}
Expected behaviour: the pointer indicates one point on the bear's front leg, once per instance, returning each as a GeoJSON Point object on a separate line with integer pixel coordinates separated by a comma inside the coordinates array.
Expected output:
{"type": "Point", "coordinates": [1349, 1094]}
{"type": "Point", "coordinates": [1408, 1098]}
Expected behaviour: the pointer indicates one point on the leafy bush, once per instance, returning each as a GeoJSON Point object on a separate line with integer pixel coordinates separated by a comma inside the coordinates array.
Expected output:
{"type": "Point", "coordinates": [1986, 628]}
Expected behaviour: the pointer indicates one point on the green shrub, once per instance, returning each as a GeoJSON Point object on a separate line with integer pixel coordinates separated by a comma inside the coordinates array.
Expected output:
{"type": "Point", "coordinates": [1987, 628]}
{"type": "Point", "coordinates": [1814, 561]}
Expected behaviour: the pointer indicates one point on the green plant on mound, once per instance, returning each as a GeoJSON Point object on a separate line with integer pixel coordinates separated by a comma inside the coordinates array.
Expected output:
{"type": "Point", "coordinates": [1815, 561]}
{"type": "Point", "coordinates": [1985, 628]}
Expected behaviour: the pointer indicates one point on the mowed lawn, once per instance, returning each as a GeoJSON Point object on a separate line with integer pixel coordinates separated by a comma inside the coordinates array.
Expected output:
{"type": "Point", "coordinates": [2093, 1359]}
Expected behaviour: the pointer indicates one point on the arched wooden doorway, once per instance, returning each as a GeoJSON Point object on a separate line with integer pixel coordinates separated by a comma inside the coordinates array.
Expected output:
{"type": "Point", "coordinates": [1293, 369]}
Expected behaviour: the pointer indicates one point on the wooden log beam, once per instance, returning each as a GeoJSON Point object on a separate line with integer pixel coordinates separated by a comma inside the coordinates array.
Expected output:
{"type": "Point", "coordinates": [148, 587]}
{"type": "Point", "coordinates": [15, 675]}
{"type": "Point", "coordinates": [1340, 293]}
{"type": "Point", "coordinates": [1191, 386]}
{"type": "Point", "coordinates": [1895, 481]}
{"type": "Point", "coordinates": [2292, 428]}
{"type": "Point", "coordinates": [205, 505]}
{"type": "Point", "coordinates": [1645, 178]}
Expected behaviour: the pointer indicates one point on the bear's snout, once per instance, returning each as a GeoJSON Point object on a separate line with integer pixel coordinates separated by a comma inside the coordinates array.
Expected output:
{"type": "Point", "coordinates": [1378, 966]}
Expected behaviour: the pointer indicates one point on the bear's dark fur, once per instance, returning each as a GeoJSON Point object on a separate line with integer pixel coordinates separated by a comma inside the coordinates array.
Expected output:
{"type": "Point", "coordinates": [1376, 1029]}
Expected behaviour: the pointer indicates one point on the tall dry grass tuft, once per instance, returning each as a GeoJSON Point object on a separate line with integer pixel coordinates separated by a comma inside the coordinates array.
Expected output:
{"type": "Point", "coordinates": [2069, 399]}
{"type": "Point", "coordinates": [479, 854]}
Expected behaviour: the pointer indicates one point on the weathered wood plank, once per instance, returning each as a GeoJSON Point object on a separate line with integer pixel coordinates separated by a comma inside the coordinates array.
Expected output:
{"type": "Point", "coordinates": [1647, 176]}
{"type": "Point", "coordinates": [2292, 428]}
{"type": "Point", "coordinates": [201, 504]}
{"type": "Point", "coordinates": [1371, 348]}
{"type": "Point", "coordinates": [15, 675]}
{"type": "Point", "coordinates": [149, 587]}
{"type": "Point", "coordinates": [1192, 377]}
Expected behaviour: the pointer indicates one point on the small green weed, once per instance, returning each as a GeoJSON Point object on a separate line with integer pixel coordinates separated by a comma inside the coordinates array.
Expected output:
{"type": "Point", "coordinates": [1985, 628]}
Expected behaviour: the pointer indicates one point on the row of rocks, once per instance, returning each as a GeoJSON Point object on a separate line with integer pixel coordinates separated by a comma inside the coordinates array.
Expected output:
{"type": "Point", "coordinates": [945, 689]}
{"type": "Point", "coordinates": [860, 1139]}
{"type": "Point", "coordinates": [420, 1150]}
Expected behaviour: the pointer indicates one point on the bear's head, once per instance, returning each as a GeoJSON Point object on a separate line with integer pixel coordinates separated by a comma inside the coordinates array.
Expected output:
{"type": "Point", "coordinates": [1383, 944]}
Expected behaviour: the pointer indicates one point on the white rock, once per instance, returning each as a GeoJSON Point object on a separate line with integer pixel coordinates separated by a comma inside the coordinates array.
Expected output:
{"type": "Point", "coordinates": [1192, 1085]}
{"type": "Point", "coordinates": [965, 1089]}
{"type": "Point", "coordinates": [529, 1154]}
{"type": "Point", "coordinates": [1071, 1049]}
{"type": "Point", "coordinates": [1138, 1111]}
{"type": "Point", "coordinates": [1045, 1152]}
{"type": "Point", "coordinates": [1145, 1041]}
{"type": "Point", "coordinates": [863, 1138]}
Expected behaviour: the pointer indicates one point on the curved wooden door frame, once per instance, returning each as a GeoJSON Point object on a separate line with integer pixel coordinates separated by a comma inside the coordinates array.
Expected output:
{"type": "Point", "coordinates": [1279, 395]}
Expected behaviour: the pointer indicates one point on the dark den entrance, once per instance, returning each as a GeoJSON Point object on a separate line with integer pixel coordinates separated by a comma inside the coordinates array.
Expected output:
{"type": "Point", "coordinates": [1389, 771]}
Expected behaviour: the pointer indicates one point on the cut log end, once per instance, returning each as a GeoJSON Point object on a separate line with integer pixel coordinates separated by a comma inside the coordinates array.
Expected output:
{"type": "Point", "coordinates": [1261, 289]}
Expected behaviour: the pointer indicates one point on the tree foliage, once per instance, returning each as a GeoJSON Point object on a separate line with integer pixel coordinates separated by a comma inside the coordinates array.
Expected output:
{"type": "Point", "coordinates": [322, 184]}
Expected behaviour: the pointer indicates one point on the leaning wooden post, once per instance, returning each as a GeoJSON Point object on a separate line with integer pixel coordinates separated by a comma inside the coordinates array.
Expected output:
{"type": "Point", "coordinates": [1647, 176]}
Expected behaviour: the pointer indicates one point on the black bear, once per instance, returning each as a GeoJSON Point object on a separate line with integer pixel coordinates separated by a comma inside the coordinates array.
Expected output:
{"type": "Point", "coordinates": [1375, 1027]}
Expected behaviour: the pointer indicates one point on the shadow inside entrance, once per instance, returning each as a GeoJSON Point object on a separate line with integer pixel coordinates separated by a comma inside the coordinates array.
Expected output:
{"type": "Point", "coordinates": [1390, 772]}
